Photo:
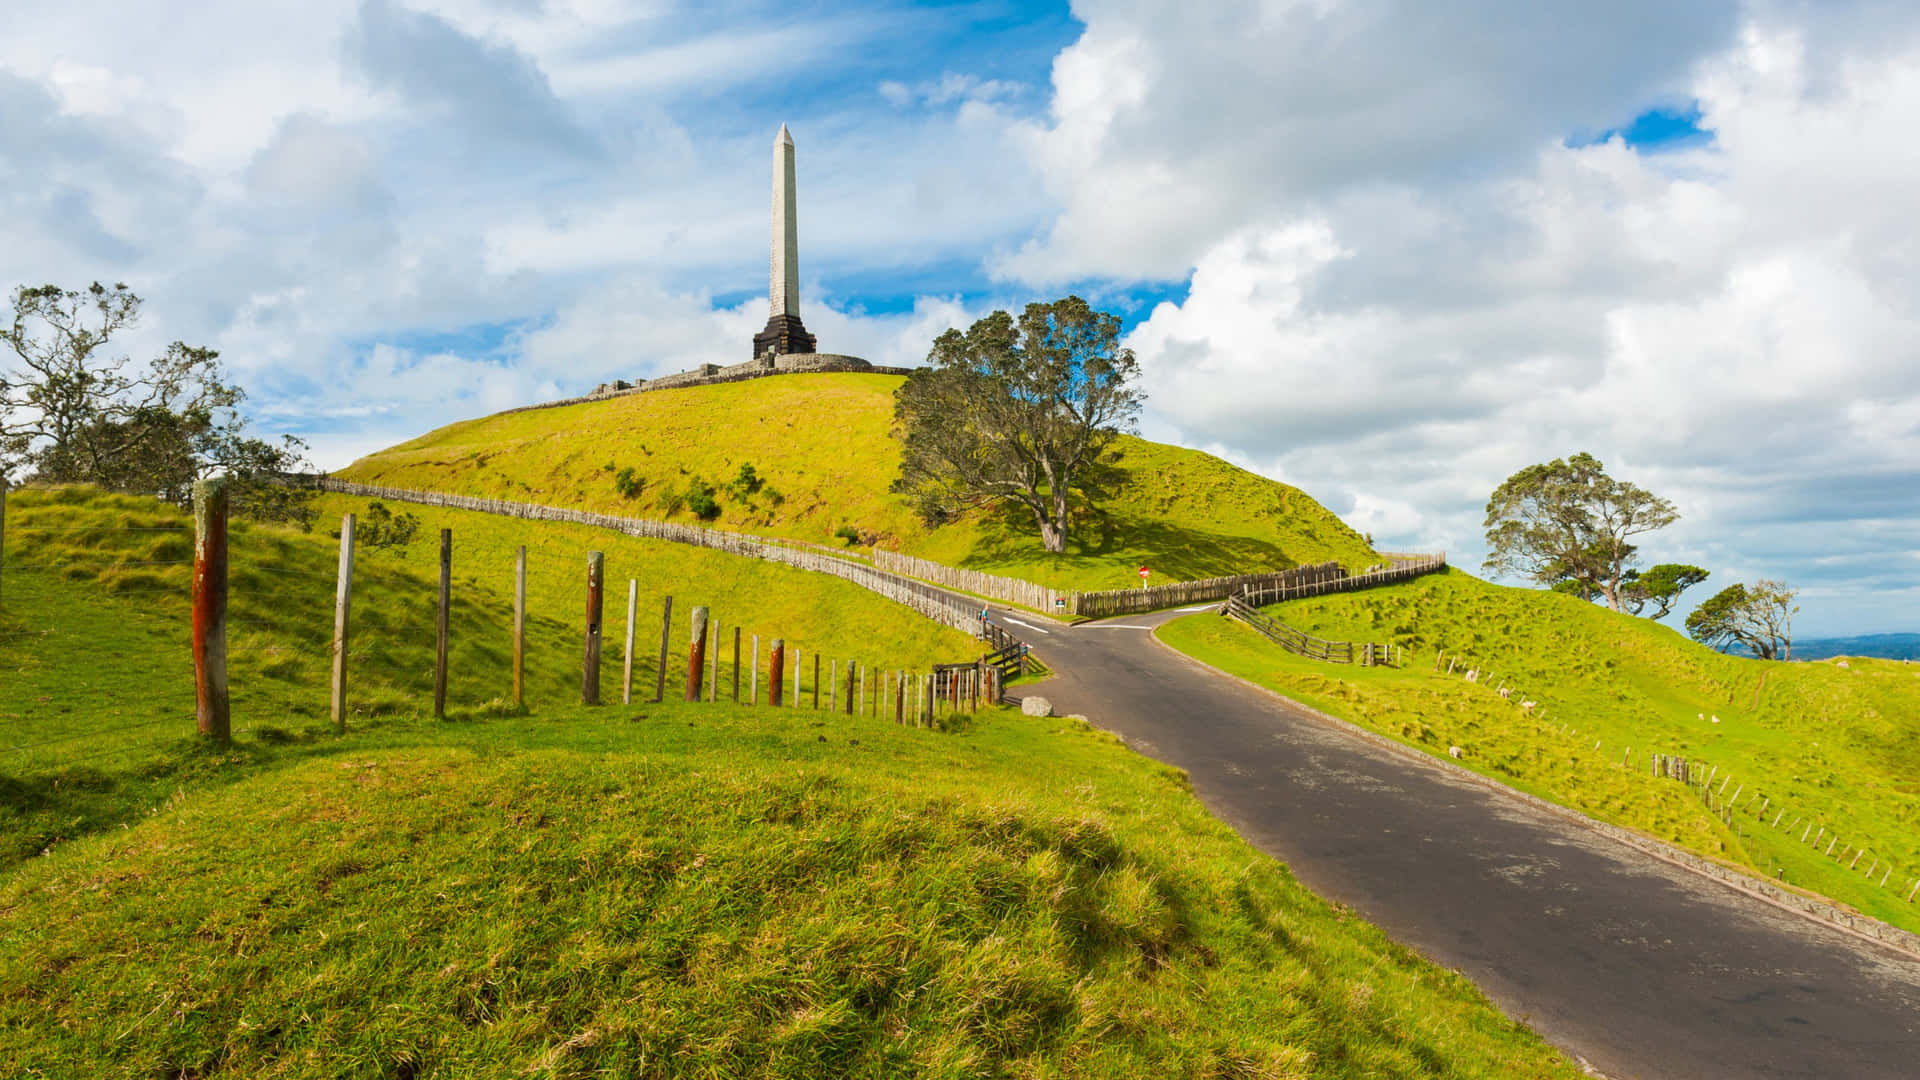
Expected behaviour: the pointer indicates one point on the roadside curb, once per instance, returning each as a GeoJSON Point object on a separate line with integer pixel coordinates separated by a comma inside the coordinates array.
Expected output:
{"type": "Point", "coordinates": [1826, 913]}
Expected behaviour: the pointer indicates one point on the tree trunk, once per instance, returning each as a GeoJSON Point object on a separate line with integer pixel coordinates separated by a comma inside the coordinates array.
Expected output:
{"type": "Point", "coordinates": [1054, 536]}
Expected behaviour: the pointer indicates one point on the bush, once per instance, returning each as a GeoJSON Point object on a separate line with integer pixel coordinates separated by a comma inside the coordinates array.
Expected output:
{"type": "Point", "coordinates": [629, 483]}
{"type": "Point", "coordinates": [848, 533]}
{"type": "Point", "coordinates": [381, 528]}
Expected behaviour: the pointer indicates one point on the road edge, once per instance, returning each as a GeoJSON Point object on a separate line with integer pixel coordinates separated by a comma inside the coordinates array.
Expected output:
{"type": "Point", "coordinates": [1825, 913]}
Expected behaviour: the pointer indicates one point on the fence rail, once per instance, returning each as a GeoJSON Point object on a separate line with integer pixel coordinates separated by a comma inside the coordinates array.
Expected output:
{"type": "Point", "coordinates": [1403, 570]}
{"type": "Point", "coordinates": [1131, 601]}
{"type": "Point", "coordinates": [931, 601]}
{"type": "Point", "coordinates": [1370, 654]}
{"type": "Point", "coordinates": [1007, 590]}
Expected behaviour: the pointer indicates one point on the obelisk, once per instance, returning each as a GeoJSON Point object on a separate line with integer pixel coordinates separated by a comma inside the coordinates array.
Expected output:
{"type": "Point", "coordinates": [784, 332]}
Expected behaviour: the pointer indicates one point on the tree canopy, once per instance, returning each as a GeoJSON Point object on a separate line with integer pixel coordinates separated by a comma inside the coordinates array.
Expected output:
{"type": "Point", "coordinates": [1019, 412]}
{"type": "Point", "coordinates": [1568, 522]}
{"type": "Point", "coordinates": [1759, 617]}
{"type": "Point", "coordinates": [1660, 586]}
{"type": "Point", "coordinates": [71, 412]}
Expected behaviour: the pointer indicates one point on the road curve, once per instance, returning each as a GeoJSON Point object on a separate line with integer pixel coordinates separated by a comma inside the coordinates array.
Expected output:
{"type": "Point", "coordinates": [1638, 967]}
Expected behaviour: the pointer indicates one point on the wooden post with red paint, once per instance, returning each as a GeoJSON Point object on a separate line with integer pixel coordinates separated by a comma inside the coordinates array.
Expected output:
{"type": "Point", "coordinates": [212, 717]}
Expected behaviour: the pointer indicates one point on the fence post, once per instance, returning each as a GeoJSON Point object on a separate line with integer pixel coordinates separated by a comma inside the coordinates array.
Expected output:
{"type": "Point", "coordinates": [520, 628]}
{"type": "Point", "coordinates": [849, 710]}
{"type": "Point", "coordinates": [736, 665]}
{"type": "Point", "coordinates": [590, 668]}
{"type": "Point", "coordinates": [796, 678]}
{"type": "Point", "coordinates": [696, 653]}
{"type": "Point", "coordinates": [776, 653]}
{"type": "Point", "coordinates": [441, 624]}
{"type": "Point", "coordinates": [3, 526]}
{"type": "Point", "coordinates": [212, 718]}
{"type": "Point", "coordinates": [342, 600]}
{"type": "Point", "coordinates": [899, 697]}
{"type": "Point", "coordinates": [713, 661]}
{"type": "Point", "coordinates": [753, 674]}
{"type": "Point", "coordinates": [816, 682]}
{"type": "Point", "coordinates": [660, 674]}
{"type": "Point", "coordinates": [626, 669]}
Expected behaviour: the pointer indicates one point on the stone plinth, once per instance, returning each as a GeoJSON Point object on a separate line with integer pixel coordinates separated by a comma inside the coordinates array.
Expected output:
{"type": "Point", "coordinates": [784, 334]}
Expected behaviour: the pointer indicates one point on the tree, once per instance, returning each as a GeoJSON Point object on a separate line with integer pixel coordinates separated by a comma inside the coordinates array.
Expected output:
{"type": "Point", "coordinates": [72, 413]}
{"type": "Point", "coordinates": [1569, 521]}
{"type": "Point", "coordinates": [1019, 413]}
{"type": "Point", "coordinates": [1761, 618]}
{"type": "Point", "coordinates": [1660, 586]}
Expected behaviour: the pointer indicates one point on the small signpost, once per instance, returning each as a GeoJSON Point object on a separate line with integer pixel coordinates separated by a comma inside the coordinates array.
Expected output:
{"type": "Point", "coordinates": [1143, 577]}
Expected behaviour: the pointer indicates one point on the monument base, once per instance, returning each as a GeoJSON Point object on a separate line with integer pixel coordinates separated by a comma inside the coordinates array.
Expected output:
{"type": "Point", "coordinates": [784, 334]}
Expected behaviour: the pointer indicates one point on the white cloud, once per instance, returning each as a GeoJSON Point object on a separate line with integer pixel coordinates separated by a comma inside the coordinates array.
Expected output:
{"type": "Point", "coordinates": [1736, 326]}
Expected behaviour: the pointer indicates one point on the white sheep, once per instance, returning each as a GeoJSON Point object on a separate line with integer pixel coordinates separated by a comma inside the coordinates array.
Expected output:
{"type": "Point", "coordinates": [1527, 705]}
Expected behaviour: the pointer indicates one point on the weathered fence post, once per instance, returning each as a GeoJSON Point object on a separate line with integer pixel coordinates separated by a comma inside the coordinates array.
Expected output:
{"type": "Point", "coordinates": [590, 668]}
{"type": "Point", "coordinates": [696, 653]}
{"type": "Point", "coordinates": [3, 533]}
{"type": "Point", "coordinates": [736, 665]}
{"type": "Point", "coordinates": [660, 673]}
{"type": "Point", "coordinates": [899, 698]}
{"type": "Point", "coordinates": [342, 600]}
{"type": "Point", "coordinates": [849, 709]}
{"type": "Point", "coordinates": [520, 627]}
{"type": "Point", "coordinates": [441, 624]}
{"type": "Point", "coordinates": [626, 666]}
{"type": "Point", "coordinates": [776, 652]}
{"type": "Point", "coordinates": [211, 715]}
{"type": "Point", "coordinates": [713, 661]}
{"type": "Point", "coordinates": [816, 682]}
{"type": "Point", "coordinates": [753, 674]}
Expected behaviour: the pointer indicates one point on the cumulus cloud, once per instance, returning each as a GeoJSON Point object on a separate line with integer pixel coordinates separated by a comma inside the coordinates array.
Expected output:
{"type": "Point", "coordinates": [1735, 324]}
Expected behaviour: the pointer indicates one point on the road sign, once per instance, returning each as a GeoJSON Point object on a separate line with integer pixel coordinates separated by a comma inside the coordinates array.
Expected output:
{"type": "Point", "coordinates": [1143, 577]}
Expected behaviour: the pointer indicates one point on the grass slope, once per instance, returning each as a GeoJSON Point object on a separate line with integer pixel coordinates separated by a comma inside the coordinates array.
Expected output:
{"type": "Point", "coordinates": [657, 890]}
{"type": "Point", "coordinates": [1835, 748]}
{"type": "Point", "coordinates": [823, 446]}
{"type": "Point", "coordinates": [95, 666]}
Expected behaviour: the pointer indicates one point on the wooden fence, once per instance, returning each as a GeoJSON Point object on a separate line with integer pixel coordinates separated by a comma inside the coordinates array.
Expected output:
{"type": "Point", "coordinates": [1099, 605]}
{"type": "Point", "coordinates": [1403, 570]}
{"type": "Point", "coordinates": [931, 601]}
{"type": "Point", "coordinates": [1369, 654]}
{"type": "Point", "coordinates": [1007, 590]}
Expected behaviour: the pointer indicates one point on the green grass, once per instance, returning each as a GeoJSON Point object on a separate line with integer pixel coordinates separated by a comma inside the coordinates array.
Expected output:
{"type": "Point", "coordinates": [96, 667]}
{"type": "Point", "coordinates": [1832, 746]}
{"type": "Point", "coordinates": [673, 890]}
{"type": "Point", "coordinates": [823, 446]}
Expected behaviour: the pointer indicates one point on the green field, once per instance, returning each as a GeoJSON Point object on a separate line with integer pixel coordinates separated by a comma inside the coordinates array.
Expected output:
{"type": "Point", "coordinates": [686, 890]}
{"type": "Point", "coordinates": [1834, 748]}
{"type": "Point", "coordinates": [822, 445]}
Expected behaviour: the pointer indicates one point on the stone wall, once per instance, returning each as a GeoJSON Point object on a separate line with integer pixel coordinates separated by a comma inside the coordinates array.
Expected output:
{"type": "Point", "coordinates": [710, 374]}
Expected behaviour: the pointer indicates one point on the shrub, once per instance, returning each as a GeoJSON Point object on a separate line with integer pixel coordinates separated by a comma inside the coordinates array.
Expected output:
{"type": "Point", "coordinates": [381, 528]}
{"type": "Point", "coordinates": [848, 533]}
{"type": "Point", "coordinates": [629, 483]}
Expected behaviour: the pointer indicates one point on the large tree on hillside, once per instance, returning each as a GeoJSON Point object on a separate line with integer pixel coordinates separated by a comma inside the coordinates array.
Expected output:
{"type": "Point", "coordinates": [1568, 521]}
{"type": "Point", "coordinates": [1019, 412]}
{"type": "Point", "coordinates": [1759, 617]}
{"type": "Point", "coordinates": [72, 412]}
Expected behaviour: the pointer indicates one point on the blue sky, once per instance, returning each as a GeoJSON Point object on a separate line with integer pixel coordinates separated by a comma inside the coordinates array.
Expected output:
{"type": "Point", "coordinates": [1388, 251]}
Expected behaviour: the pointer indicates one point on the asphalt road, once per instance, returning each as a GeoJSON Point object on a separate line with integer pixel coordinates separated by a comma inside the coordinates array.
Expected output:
{"type": "Point", "coordinates": [1637, 967]}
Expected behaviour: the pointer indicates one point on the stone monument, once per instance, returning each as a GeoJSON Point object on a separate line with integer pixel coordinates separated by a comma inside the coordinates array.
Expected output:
{"type": "Point", "coordinates": [784, 333]}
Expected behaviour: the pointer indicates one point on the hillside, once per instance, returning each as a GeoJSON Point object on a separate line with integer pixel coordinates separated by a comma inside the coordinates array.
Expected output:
{"type": "Point", "coordinates": [822, 448]}
{"type": "Point", "coordinates": [1837, 749]}
{"type": "Point", "coordinates": [677, 889]}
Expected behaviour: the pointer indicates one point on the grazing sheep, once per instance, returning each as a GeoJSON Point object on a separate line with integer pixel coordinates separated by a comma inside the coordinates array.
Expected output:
{"type": "Point", "coordinates": [1527, 705]}
{"type": "Point", "coordinates": [1504, 692]}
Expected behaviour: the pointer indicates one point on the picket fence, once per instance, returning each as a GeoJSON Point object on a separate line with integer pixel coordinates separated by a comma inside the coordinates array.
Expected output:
{"type": "Point", "coordinates": [957, 612]}
{"type": "Point", "coordinates": [1007, 590]}
{"type": "Point", "coordinates": [1402, 570]}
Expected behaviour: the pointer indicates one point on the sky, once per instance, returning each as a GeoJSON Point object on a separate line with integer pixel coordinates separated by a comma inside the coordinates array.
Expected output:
{"type": "Point", "coordinates": [1389, 252]}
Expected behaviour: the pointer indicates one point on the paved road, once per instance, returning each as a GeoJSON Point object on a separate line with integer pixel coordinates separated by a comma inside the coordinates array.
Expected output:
{"type": "Point", "coordinates": [1639, 968]}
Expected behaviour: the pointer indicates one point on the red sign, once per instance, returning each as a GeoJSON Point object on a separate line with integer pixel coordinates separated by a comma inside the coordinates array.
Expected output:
{"type": "Point", "coordinates": [1143, 573]}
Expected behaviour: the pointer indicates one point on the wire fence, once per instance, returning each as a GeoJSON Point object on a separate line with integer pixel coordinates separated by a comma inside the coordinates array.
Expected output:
{"type": "Point", "coordinates": [107, 647]}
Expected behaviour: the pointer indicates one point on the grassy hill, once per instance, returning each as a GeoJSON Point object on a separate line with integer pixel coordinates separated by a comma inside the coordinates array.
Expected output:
{"type": "Point", "coordinates": [95, 665]}
{"type": "Point", "coordinates": [698, 890]}
{"type": "Point", "coordinates": [1837, 748]}
{"type": "Point", "coordinates": [823, 448]}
